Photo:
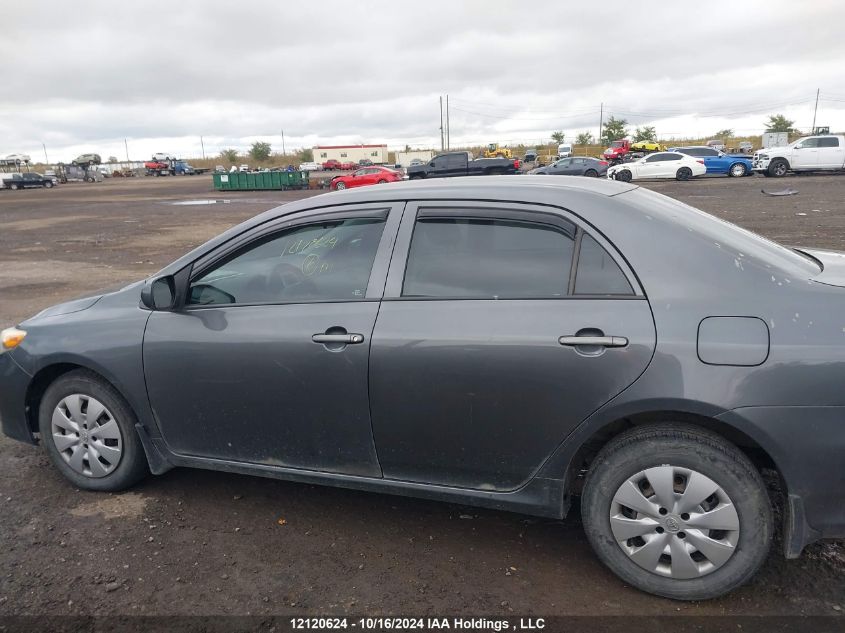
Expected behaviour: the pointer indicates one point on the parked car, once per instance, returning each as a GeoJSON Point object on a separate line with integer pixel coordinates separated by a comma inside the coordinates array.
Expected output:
{"type": "Point", "coordinates": [311, 166]}
{"type": "Point", "coordinates": [577, 166]}
{"type": "Point", "coordinates": [718, 162]}
{"type": "Point", "coordinates": [365, 162]}
{"type": "Point", "coordinates": [716, 144]}
{"type": "Point", "coordinates": [243, 168]}
{"type": "Point", "coordinates": [460, 164]}
{"type": "Point", "coordinates": [348, 165]}
{"type": "Point", "coordinates": [564, 150]}
{"type": "Point", "coordinates": [813, 153]}
{"type": "Point", "coordinates": [16, 159]}
{"type": "Point", "coordinates": [647, 146]}
{"type": "Point", "coordinates": [27, 180]}
{"type": "Point", "coordinates": [331, 165]}
{"type": "Point", "coordinates": [87, 159]}
{"type": "Point", "coordinates": [530, 155]}
{"type": "Point", "coordinates": [163, 156]}
{"type": "Point", "coordinates": [433, 315]}
{"type": "Point", "coordinates": [416, 161]}
{"type": "Point", "coordinates": [659, 165]}
{"type": "Point", "coordinates": [365, 176]}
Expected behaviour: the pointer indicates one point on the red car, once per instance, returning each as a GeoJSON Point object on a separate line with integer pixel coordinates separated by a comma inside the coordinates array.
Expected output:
{"type": "Point", "coordinates": [331, 164]}
{"type": "Point", "coordinates": [366, 176]}
{"type": "Point", "coordinates": [348, 165]}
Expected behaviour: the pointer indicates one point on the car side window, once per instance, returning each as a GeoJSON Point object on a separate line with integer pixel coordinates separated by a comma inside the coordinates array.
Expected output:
{"type": "Point", "coordinates": [708, 152]}
{"type": "Point", "coordinates": [488, 259]}
{"type": "Point", "coordinates": [671, 157]}
{"type": "Point", "coordinates": [830, 141]}
{"type": "Point", "coordinates": [456, 160]}
{"type": "Point", "coordinates": [656, 157]}
{"type": "Point", "coordinates": [809, 142]}
{"type": "Point", "coordinates": [326, 261]}
{"type": "Point", "coordinates": [597, 272]}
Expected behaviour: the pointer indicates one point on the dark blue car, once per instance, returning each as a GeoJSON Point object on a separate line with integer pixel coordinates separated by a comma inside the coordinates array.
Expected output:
{"type": "Point", "coordinates": [718, 162]}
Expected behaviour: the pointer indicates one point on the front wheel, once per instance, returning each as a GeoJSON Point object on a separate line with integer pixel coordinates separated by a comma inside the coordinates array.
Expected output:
{"type": "Point", "coordinates": [624, 175]}
{"type": "Point", "coordinates": [13, 187]}
{"type": "Point", "coordinates": [591, 173]}
{"type": "Point", "coordinates": [48, 184]}
{"type": "Point", "coordinates": [89, 432]}
{"type": "Point", "coordinates": [677, 511]}
{"type": "Point", "coordinates": [737, 170]}
{"type": "Point", "coordinates": [684, 173]}
{"type": "Point", "coordinates": [778, 168]}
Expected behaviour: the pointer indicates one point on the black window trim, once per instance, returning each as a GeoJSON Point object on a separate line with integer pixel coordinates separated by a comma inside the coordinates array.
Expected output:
{"type": "Point", "coordinates": [519, 212]}
{"type": "Point", "coordinates": [264, 232]}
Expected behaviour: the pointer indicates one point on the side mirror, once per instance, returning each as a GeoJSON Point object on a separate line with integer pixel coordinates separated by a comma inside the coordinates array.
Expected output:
{"type": "Point", "coordinates": [431, 164]}
{"type": "Point", "coordinates": [160, 294]}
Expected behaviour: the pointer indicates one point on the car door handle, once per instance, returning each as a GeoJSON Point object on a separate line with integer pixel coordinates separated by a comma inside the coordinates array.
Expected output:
{"type": "Point", "coordinates": [601, 341]}
{"type": "Point", "coordinates": [346, 339]}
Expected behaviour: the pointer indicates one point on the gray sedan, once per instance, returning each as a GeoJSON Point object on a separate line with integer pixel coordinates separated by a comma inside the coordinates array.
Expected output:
{"type": "Point", "coordinates": [510, 342]}
{"type": "Point", "coordinates": [575, 166]}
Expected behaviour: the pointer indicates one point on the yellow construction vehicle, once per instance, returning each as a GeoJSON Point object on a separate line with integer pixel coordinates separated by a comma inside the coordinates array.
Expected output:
{"type": "Point", "coordinates": [494, 151]}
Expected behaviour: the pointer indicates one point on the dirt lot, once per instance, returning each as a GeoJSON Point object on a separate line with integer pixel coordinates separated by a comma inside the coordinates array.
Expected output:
{"type": "Point", "coordinates": [194, 542]}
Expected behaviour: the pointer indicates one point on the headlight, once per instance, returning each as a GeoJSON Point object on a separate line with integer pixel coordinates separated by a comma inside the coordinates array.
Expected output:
{"type": "Point", "coordinates": [10, 338]}
{"type": "Point", "coordinates": [762, 156]}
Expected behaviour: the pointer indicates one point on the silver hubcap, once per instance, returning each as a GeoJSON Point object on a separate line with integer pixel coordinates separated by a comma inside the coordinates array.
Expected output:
{"type": "Point", "coordinates": [674, 522]}
{"type": "Point", "coordinates": [738, 170]}
{"type": "Point", "coordinates": [86, 435]}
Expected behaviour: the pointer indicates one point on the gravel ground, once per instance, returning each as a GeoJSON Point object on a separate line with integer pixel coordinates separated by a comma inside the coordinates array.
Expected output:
{"type": "Point", "coordinates": [197, 542]}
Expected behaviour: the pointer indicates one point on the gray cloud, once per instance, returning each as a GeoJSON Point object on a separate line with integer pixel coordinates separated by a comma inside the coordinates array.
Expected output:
{"type": "Point", "coordinates": [96, 73]}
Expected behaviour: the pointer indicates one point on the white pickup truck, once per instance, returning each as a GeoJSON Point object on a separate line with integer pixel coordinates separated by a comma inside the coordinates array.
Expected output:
{"type": "Point", "coordinates": [812, 153]}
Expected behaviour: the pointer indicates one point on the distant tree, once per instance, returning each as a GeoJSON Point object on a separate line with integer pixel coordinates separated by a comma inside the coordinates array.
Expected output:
{"type": "Point", "coordinates": [584, 138]}
{"type": "Point", "coordinates": [112, 159]}
{"type": "Point", "coordinates": [724, 134]}
{"type": "Point", "coordinates": [779, 123]}
{"type": "Point", "coordinates": [259, 151]}
{"type": "Point", "coordinates": [229, 155]}
{"type": "Point", "coordinates": [306, 155]}
{"type": "Point", "coordinates": [646, 133]}
{"type": "Point", "coordinates": [558, 137]}
{"type": "Point", "coordinates": [613, 130]}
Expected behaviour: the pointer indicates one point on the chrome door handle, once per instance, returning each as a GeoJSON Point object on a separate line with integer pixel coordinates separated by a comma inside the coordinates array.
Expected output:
{"type": "Point", "coordinates": [602, 341]}
{"type": "Point", "coordinates": [346, 339]}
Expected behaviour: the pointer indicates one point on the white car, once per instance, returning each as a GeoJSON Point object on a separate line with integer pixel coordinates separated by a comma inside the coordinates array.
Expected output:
{"type": "Point", "coordinates": [244, 168]}
{"type": "Point", "coordinates": [15, 159]}
{"type": "Point", "coordinates": [310, 167]}
{"type": "Point", "coordinates": [163, 156]}
{"type": "Point", "coordinates": [659, 165]}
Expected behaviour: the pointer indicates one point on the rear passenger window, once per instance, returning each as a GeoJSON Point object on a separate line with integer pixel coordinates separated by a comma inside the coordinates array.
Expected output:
{"type": "Point", "coordinates": [830, 141]}
{"type": "Point", "coordinates": [597, 273]}
{"type": "Point", "coordinates": [488, 259]}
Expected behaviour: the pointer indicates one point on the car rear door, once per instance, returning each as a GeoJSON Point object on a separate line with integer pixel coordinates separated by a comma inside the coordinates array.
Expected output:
{"type": "Point", "coordinates": [831, 152]}
{"type": "Point", "coordinates": [267, 361]}
{"type": "Point", "coordinates": [476, 369]}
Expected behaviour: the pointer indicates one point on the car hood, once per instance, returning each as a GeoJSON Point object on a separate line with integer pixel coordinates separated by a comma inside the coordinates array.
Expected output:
{"type": "Point", "coordinates": [767, 150]}
{"type": "Point", "coordinates": [833, 263]}
{"type": "Point", "coordinates": [78, 305]}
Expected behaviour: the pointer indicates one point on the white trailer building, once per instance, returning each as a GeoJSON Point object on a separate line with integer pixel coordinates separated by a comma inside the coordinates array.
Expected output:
{"type": "Point", "coordinates": [405, 158]}
{"type": "Point", "coordinates": [351, 153]}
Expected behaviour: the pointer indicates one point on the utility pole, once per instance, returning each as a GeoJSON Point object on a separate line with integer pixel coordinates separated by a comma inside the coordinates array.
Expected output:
{"type": "Point", "coordinates": [601, 120]}
{"type": "Point", "coordinates": [813, 131]}
{"type": "Point", "coordinates": [126, 145]}
{"type": "Point", "coordinates": [46, 160]}
{"type": "Point", "coordinates": [202, 145]}
{"type": "Point", "coordinates": [283, 143]}
{"type": "Point", "coordinates": [448, 129]}
{"type": "Point", "coordinates": [442, 146]}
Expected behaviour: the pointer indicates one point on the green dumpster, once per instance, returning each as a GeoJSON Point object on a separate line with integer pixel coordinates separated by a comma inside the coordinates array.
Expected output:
{"type": "Point", "coordinates": [263, 180]}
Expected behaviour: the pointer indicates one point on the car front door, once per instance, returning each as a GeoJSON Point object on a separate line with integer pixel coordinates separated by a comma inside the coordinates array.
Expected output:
{"type": "Point", "coordinates": [476, 370]}
{"type": "Point", "coordinates": [266, 363]}
{"type": "Point", "coordinates": [806, 154]}
{"type": "Point", "coordinates": [561, 167]}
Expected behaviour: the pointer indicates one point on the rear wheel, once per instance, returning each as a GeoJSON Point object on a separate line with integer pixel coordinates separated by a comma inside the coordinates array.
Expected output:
{"type": "Point", "coordinates": [737, 170]}
{"type": "Point", "coordinates": [677, 511]}
{"type": "Point", "coordinates": [89, 433]}
{"type": "Point", "coordinates": [592, 173]}
{"type": "Point", "coordinates": [382, 182]}
{"type": "Point", "coordinates": [13, 187]}
{"type": "Point", "coordinates": [684, 173]}
{"type": "Point", "coordinates": [340, 186]}
{"type": "Point", "coordinates": [48, 184]}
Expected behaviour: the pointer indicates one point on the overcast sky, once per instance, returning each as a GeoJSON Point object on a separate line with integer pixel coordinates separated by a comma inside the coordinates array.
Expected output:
{"type": "Point", "coordinates": [83, 76]}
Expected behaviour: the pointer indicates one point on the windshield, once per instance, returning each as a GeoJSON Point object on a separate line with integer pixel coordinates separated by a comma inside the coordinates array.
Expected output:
{"type": "Point", "coordinates": [617, 144]}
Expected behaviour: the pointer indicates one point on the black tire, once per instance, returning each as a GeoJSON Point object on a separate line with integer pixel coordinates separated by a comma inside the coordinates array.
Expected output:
{"type": "Point", "coordinates": [132, 466]}
{"type": "Point", "coordinates": [624, 175]}
{"type": "Point", "coordinates": [737, 170]}
{"type": "Point", "coordinates": [591, 173]}
{"type": "Point", "coordinates": [382, 182]}
{"type": "Point", "coordinates": [778, 168]}
{"type": "Point", "coordinates": [340, 186]}
{"type": "Point", "coordinates": [48, 184]}
{"type": "Point", "coordinates": [693, 448]}
{"type": "Point", "coordinates": [13, 187]}
{"type": "Point", "coordinates": [683, 174]}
